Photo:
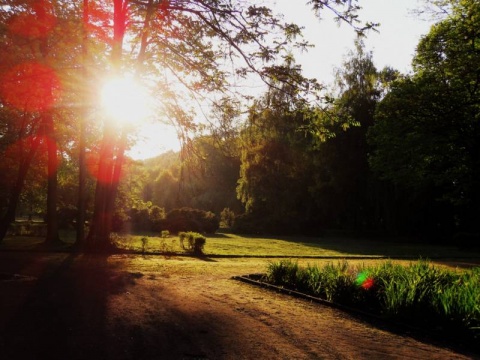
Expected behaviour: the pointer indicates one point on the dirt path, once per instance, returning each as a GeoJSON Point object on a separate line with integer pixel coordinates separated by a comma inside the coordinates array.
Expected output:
{"type": "Point", "coordinates": [130, 307]}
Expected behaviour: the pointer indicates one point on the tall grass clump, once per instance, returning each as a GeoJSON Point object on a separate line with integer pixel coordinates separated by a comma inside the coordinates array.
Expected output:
{"type": "Point", "coordinates": [333, 282]}
{"type": "Point", "coordinates": [192, 242]}
{"type": "Point", "coordinates": [419, 293]}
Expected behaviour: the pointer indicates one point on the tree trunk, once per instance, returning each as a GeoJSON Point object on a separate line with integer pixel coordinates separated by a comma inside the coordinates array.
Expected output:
{"type": "Point", "coordinates": [99, 235]}
{"type": "Point", "coordinates": [82, 170]}
{"type": "Point", "coordinates": [24, 166]}
{"type": "Point", "coordinates": [98, 239]}
{"type": "Point", "coordinates": [52, 185]}
{"type": "Point", "coordinates": [113, 190]}
{"type": "Point", "coordinates": [110, 167]}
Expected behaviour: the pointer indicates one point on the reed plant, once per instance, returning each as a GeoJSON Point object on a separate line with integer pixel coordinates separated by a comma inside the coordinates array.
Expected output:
{"type": "Point", "coordinates": [419, 293]}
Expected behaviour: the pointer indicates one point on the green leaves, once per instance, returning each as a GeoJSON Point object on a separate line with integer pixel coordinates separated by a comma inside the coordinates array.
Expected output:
{"type": "Point", "coordinates": [426, 133]}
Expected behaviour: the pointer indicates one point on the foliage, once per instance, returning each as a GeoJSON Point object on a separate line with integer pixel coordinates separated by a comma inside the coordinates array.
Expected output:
{"type": "Point", "coordinates": [28, 228]}
{"type": "Point", "coordinates": [305, 169]}
{"type": "Point", "coordinates": [204, 177]}
{"type": "Point", "coordinates": [195, 242]}
{"type": "Point", "coordinates": [275, 171]}
{"type": "Point", "coordinates": [209, 173]}
{"type": "Point", "coordinates": [426, 135]}
{"type": "Point", "coordinates": [419, 293]}
{"type": "Point", "coordinates": [227, 218]}
{"type": "Point", "coordinates": [144, 217]}
{"type": "Point", "coordinates": [343, 185]}
{"type": "Point", "coordinates": [188, 219]}
{"type": "Point", "coordinates": [186, 50]}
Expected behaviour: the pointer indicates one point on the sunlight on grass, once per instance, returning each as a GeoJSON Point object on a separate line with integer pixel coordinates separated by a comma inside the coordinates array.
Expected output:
{"type": "Point", "coordinates": [223, 244]}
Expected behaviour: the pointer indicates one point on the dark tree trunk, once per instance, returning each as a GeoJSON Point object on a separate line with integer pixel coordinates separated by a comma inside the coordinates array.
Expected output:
{"type": "Point", "coordinates": [113, 190]}
{"type": "Point", "coordinates": [14, 197]}
{"type": "Point", "coordinates": [98, 239]}
{"type": "Point", "coordinates": [82, 170]}
{"type": "Point", "coordinates": [98, 235]}
{"type": "Point", "coordinates": [52, 185]}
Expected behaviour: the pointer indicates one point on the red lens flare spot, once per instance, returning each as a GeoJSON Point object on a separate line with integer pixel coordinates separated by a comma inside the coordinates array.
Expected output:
{"type": "Point", "coordinates": [11, 157]}
{"type": "Point", "coordinates": [30, 87]}
{"type": "Point", "coordinates": [368, 283]}
{"type": "Point", "coordinates": [22, 147]}
{"type": "Point", "coordinates": [36, 22]}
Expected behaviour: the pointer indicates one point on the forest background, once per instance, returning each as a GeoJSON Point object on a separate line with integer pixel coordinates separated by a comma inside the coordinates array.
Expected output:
{"type": "Point", "coordinates": [386, 153]}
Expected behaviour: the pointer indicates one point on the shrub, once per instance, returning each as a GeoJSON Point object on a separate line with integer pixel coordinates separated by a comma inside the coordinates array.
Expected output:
{"type": "Point", "coordinates": [144, 241]}
{"type": "Point", "coordinates": [145, 217]}
{"type": "Point", "coordinates": [188, 219]}
{"type": "Point", "coordinates": [192, 242]}
{"type": "Point", "coordinates": [140, 218]}
{"type": "Point", "coordinates": [156, 217]}
{"type": "Point", "coordinates": [227, 218]}
{"type": "Point", "coordinates": [28, 228]}
{"type": "Point", "coordinates": [248, 224]}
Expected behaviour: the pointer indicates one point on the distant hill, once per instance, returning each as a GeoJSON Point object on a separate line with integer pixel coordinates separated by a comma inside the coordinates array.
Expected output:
{"type": "Point", "coordinates": [165, 160]}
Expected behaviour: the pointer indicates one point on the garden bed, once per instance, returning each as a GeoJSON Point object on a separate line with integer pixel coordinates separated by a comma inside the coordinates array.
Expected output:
{"type": "Point", "coordinates": [418, 321]}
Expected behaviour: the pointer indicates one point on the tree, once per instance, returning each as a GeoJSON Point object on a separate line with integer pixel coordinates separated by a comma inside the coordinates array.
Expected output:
{"type": "Point", "coordinates": [30, 84]}
{"type": "Point", "coordinates": [189, 44]}
{"type": "Point", "coordinates": [426, 135]}
{"type": "Point", "coordinates": [344, 186]}
{"type": "Point", "coordinates": [275, 172]}
{"type": "Point", "coordinates": [194, 38]}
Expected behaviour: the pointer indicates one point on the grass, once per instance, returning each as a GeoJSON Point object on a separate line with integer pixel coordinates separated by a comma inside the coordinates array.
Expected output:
{"type": "Point", "coordinates": [226, 244]}
{"type": "Point", "coordinates": [419, 293]}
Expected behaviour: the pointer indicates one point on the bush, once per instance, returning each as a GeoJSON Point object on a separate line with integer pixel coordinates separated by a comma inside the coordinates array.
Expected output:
{"type": "Point", "coordinates": [192, 242]}
{"type": "Point", "coordinates": [28, 228]}
{"type": "Point", "coordinates": [227, 218]}
{"type": "Point", "coordinates": [187, 219]}
{"type": "Point", "coordinates": [145, 217]}
{"type": "Point", "coordinates": [248, 224]}
{"type": "Point", "coordinates": [156, 217]}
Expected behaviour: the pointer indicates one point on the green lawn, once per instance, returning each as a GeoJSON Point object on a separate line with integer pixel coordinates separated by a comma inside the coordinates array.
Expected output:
{"type": "Point", "coordinates": [226, 244]}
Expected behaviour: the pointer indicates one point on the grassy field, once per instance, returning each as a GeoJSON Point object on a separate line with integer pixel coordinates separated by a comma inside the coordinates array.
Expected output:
{"type": "Point", "coordinates": [226, 244]}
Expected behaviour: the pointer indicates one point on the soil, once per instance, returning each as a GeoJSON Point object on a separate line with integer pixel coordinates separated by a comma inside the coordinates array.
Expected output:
{"type": "Point", "coordinates": [71, 306]}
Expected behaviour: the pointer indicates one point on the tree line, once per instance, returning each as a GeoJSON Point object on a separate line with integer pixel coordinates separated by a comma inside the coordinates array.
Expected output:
{"type": "Point", "coordinates": [389, 153]}
{"type": "Point", "coordinates": [54, 56]}
{"type": "Point", "coordinates": [385, 153]}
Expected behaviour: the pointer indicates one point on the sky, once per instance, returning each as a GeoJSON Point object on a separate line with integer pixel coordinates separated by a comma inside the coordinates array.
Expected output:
{"type": "Point", "coordinates": [394, 45]}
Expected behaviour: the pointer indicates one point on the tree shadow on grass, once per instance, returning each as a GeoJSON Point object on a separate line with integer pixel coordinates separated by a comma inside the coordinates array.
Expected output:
{"type": "Point", "coordinates": [371, 247]}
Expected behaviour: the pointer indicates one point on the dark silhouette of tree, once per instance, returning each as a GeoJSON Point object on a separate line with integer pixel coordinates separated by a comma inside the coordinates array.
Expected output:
{"type": "Point", "coordinates": [426, 134]}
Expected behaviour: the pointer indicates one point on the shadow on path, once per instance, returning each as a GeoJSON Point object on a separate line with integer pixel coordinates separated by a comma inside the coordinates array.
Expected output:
{"type": "Point", "coordinates": [64, 315]}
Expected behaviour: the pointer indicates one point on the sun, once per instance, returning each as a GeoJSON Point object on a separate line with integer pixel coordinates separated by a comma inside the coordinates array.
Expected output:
{"type": "Point", "coordinates": [125, 101]}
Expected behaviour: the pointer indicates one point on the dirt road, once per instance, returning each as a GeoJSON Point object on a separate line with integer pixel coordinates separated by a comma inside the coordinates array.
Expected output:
{"type": "Point", "coordinates": [62, 306]}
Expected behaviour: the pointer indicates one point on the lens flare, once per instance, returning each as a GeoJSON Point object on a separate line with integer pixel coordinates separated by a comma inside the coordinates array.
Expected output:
{"type": "Point", "coordinates": [364, 280]}
{"type": "Point", "coordinates": [30, 87]}
{"type": "Point", "coordinates": [38, 22]}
